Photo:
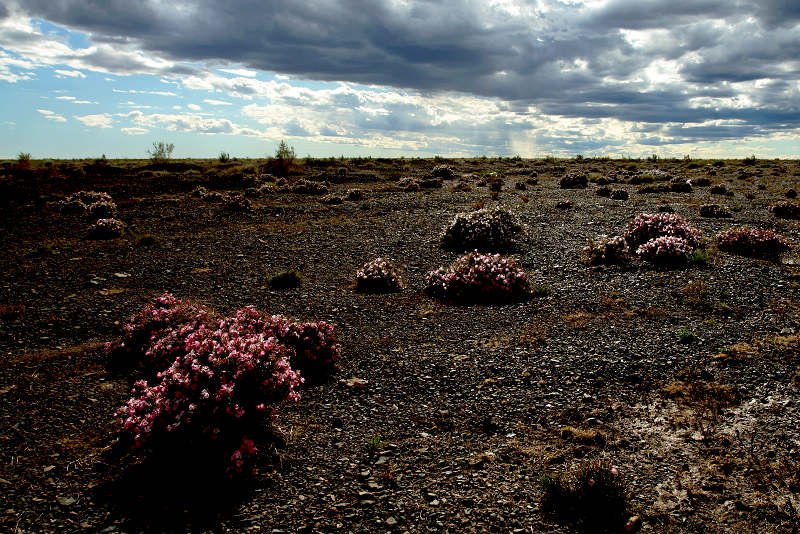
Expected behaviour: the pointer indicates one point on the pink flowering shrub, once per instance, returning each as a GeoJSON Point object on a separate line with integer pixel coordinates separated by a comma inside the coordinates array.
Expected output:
{"type": "Point", "coordinates": [315, 351]}
{"type": "Point", "coordinates": [151, 340]}
{"type": "Point", "coordinates": [379, 276]}
{"type": "Point", "coordinates": [106, 229]}
{"type": "Point", "coordinates": [484, 229]}
{"type": "Point", "coordinates": [211, 382]}
{"type": "Point", "coordinates": [648, 226]}
{"type": "Point", "coordinates": [665, 250]}
{"type": "Point", "coordinates": [477, 277]}
{"type": "Point", "coordinates": [219, 389]}
{"type": "Point", "coordinates": [755, 242]}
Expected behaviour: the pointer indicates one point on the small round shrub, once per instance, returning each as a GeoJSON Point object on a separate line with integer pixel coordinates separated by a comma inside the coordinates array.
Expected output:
{"type": "Point", "coordinates": [332, 199]}
{"type": "Point", "coordinates": [199, 191]}
{"type": "Point", "coordinates": [106, 229]}
{"type": "Point", "coordinates": [619, 194]}
{"type": "Point", "coordinates": [430, 182]}
{"type": "Point", "coordinates": [308, 187]}
{"type": "Point", "coordinates": [754, 242]}
{"type": "Point", "coordinates": [679, 185]}
{"type": "Point", "coordinates": [648, 226]}
{"type": "Point", "coordinates": [477, 277]}
{"type": "Point", "coordinates": [595, 496]}
{"type": "Point", "coordinates": [714, 211]}
{"type": "Point", "coordinates": [574, 180]}
{"type": "Point", "coordinates": [785, 210]}
{"type": "Point", "coordinates": [718, 189]}
{"type": "Point", "coordinates": [605, 250]}
{"type": "Point", "coordinates": [462, 185]}
{"type": "Point", "coordinates": [790, 193]}
{"type": "Point", "coordinates": [71, 206]}
{"type": "Point", "coordinates": [495, 182]}
{"type": "Point", "coordinates": [700, 181]}
{"type": "Point", "coordinates": [285, 279]}
{"type": "Point", "coordinates": [354, 195]}
{"type": "Point", "coordinates": [603, 191]}
{"type": "Point", "coordinates": [379, 276]}
{"type": "Point", "coordinates": [237, 203]}
{"type": "Point", "coordinates": [408, 184]}
{"type": "Point", "coordinates": [81, 202]}
{"type": "Point", "coordinates": [442, 171]}
{"type": "Point", "coordinates": [89, 197]}
{"type": "Point", "coordinates": [665, 250]}
{"type": "Point", "coordinates": [484, 229]}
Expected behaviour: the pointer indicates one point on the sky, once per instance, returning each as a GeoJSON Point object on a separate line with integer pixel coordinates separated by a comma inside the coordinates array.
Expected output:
{"type": "Point", "coordinates": [388, 78]}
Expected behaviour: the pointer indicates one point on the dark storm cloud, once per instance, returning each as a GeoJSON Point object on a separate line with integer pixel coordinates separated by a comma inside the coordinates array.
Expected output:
{"type": "Point", "coordinates": [3, 11]}
{"type": "Point", "coordinates": [563, 58]}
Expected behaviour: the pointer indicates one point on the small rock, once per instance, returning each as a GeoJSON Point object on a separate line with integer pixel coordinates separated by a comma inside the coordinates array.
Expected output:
{"type": "Point", "coordinates": [391, 521]}
{"type": "Point", "coordinates": [633, 524]}
{"type": "Point", "coordinates": [66, 501]}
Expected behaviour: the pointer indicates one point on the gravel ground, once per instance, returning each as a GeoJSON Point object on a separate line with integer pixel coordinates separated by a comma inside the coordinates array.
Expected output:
{"type": "Point", "coordinates": [466, 406]}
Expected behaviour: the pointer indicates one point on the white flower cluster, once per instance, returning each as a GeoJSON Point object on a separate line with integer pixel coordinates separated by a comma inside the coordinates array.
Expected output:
{"type": "Point", "coordinates": [379, 275]}
{"type": "Point", "coordinates": [486, 229]}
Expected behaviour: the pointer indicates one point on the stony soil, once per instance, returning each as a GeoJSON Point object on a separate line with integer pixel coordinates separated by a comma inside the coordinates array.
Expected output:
{"type": "Point", "coordinates": [441, 418]}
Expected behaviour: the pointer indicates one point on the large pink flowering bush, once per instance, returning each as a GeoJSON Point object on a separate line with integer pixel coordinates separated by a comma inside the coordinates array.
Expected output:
{"type": "Point", "coordinates": [151, 339]}
{"type": "Point", "coordinates": [666, 249]}
{"type": "Point", "coordinates": [756, 242]}
{"type": "Point", "coordinates": [477, 277]}
{"type": "Point", "coordinates": [647, 226]}
{"type": "Point", "coordinates": [483, 229]}
{"type": "Point", "coordinates": [213, 382]}
{"type": "Point", "coordinates": [661, 238]}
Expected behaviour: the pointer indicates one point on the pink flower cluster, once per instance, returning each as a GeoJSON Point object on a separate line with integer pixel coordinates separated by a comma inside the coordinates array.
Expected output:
{"type": "Point", "coordinates": [214, 381]}
{"type": "Point", "coordinates": [487, 228]}
{"type": "Point", "coordinates": [754, 242]}
{"type": "Point", "coordinates": [106, 229]}
{"type": "Point", "coordinates": [648, 226]}
{"type": "Point", "coordinates": [666, 249]}
{"type": "Point", "coordinates": [380, 276]}
{"type": "Point", "coordinates": [477, 277]}
{"type": "Point", "coordinates": [663, 238]}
